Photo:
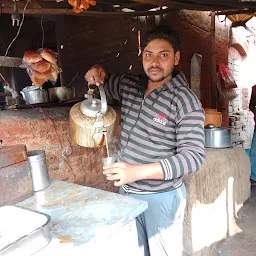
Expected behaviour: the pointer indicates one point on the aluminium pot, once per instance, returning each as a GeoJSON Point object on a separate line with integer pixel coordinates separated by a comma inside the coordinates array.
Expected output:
{"type": "Point", "coordinates": [33, 94]}
{"type": "Point", "coordinates": [57, 94]}
{"type": "Point", "coordinates": [217, 137]}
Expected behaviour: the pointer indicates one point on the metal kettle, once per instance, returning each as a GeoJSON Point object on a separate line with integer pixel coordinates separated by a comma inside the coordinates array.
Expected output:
{"type": "Point", "coordinates": [91, 120]}
{"type": "Point", "coordinates": [34, 94]}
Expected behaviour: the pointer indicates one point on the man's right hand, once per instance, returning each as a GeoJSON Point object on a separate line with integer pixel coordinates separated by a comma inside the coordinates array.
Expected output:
{"type": "Point", "coordinates": [95, 75]}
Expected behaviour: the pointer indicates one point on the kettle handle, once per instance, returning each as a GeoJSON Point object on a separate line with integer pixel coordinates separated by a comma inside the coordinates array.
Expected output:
{"type": "Point", "coordinates": [104, 105]}
{"type": "Point", "coordinates": [23, 95]}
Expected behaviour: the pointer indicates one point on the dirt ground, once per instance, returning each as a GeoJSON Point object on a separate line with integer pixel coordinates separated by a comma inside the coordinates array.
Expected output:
{"type": "Point", "coordinates": [244, 243]}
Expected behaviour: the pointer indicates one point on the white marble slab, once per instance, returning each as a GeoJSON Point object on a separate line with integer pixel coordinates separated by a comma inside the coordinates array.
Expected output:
{"type": "Point", "coordinates": [81, 215]}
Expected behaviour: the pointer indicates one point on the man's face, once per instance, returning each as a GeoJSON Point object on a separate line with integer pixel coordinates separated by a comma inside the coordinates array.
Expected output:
{"type": "Point", "coordinates": [159, 60]}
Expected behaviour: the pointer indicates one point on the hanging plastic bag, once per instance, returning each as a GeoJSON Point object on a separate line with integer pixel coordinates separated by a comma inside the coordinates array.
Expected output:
{"type": "Point", "coordinates": [226, 94]}
{"type": "Point", "coordinates": [41, 65]}
{"type": "Point", "coordinates": [226, 78]}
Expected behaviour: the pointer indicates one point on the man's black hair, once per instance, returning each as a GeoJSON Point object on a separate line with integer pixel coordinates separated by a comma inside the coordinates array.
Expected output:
{"type": "Point", "coordinates": [163, 32]}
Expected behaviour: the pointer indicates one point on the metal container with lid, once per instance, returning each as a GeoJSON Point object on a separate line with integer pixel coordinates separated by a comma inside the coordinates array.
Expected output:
{"type": "Point", "coordinates": [217, 137]}
{"type": "Point", "coordinates": [39, 170]}
{"type": "Point", "coordinates": [91, 120]}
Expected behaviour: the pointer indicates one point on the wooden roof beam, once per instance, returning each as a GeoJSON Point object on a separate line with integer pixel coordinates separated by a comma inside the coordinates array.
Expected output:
{"type": "Point", "coordinates": [189, 5]}
{"type": "Point", "coordinates": [69, 11]}
{"type": "Point", "coordinates": [231, 12]}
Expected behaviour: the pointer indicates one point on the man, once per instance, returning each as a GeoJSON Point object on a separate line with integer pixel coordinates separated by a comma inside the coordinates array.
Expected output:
{"type": "Point", "coordinates": [162, 139]}
{"type": "Point", "coordinates": [252, 106]}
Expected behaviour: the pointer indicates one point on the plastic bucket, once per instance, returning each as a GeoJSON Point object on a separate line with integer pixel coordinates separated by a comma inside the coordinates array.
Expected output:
{"type": "Point", "coordinates": [38, 168]}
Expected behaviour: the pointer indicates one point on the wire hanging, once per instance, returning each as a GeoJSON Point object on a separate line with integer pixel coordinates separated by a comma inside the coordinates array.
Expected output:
{"type": "Point", "coordinates": [18, 32]}
{"type": "Point", "coordinates": [42, 31]}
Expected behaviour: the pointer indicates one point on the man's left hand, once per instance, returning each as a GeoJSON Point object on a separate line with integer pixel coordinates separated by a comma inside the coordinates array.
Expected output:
{"type": "Point", "coordinates": [121, 173]}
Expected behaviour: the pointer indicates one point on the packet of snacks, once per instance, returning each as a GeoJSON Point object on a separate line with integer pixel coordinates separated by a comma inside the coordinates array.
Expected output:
{"type": "Point", "coordinates": [41, 65]}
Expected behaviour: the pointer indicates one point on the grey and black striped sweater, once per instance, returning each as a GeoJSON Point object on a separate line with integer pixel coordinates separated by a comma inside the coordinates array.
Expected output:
{"type": "Point", "coordinates": [166, 126]}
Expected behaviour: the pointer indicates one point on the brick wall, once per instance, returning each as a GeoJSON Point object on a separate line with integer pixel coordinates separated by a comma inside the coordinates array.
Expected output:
{"type": "Point", "coordinates": [241, 118]}
{"type": "Point", "coordinates": [100, 40]}
{"type": "Point", "coordinates": [222, 28]}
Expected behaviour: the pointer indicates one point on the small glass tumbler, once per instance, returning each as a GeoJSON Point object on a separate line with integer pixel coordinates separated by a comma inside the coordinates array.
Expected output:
{"type": "Point", "coordinates": [107, 161]}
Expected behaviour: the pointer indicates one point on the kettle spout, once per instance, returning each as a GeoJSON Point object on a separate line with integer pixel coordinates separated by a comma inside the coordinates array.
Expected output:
{"type": "Point", "coordinates": [99, 139]}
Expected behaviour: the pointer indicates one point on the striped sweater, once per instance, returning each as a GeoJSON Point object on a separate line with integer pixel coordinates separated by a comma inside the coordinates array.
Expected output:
{"type": "Point", "coordinates": [166, 126]}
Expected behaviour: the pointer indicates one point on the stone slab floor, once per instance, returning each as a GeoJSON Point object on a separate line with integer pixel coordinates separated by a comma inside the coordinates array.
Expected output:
{"type": "Point", "coordinates": [244, 243]}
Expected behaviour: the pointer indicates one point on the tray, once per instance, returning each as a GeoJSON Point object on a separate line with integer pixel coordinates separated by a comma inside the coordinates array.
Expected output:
{"type": "Point", "coordinates": [23, 231]}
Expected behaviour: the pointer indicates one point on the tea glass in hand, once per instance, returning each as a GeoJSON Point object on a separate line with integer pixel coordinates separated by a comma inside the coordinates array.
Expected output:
{"type": "Point", "coordinates": [107, 161]}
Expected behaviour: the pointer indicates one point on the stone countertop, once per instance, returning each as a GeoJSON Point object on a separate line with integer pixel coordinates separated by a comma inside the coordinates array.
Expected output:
{"type": "Point", "coordinates": [81, 215]}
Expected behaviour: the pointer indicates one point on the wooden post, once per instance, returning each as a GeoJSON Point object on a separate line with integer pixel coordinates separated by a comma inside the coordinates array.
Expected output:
{"type": "Point", "coordinates": [213, 68]}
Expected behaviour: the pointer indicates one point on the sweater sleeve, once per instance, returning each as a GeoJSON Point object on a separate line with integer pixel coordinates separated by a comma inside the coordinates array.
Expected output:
{"type": "Point", "coordinates": [116, 85]}
{"type": "Point", "coordinates": [190, 152]}
{"type": "Point", "coordinates": [111, 86]}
